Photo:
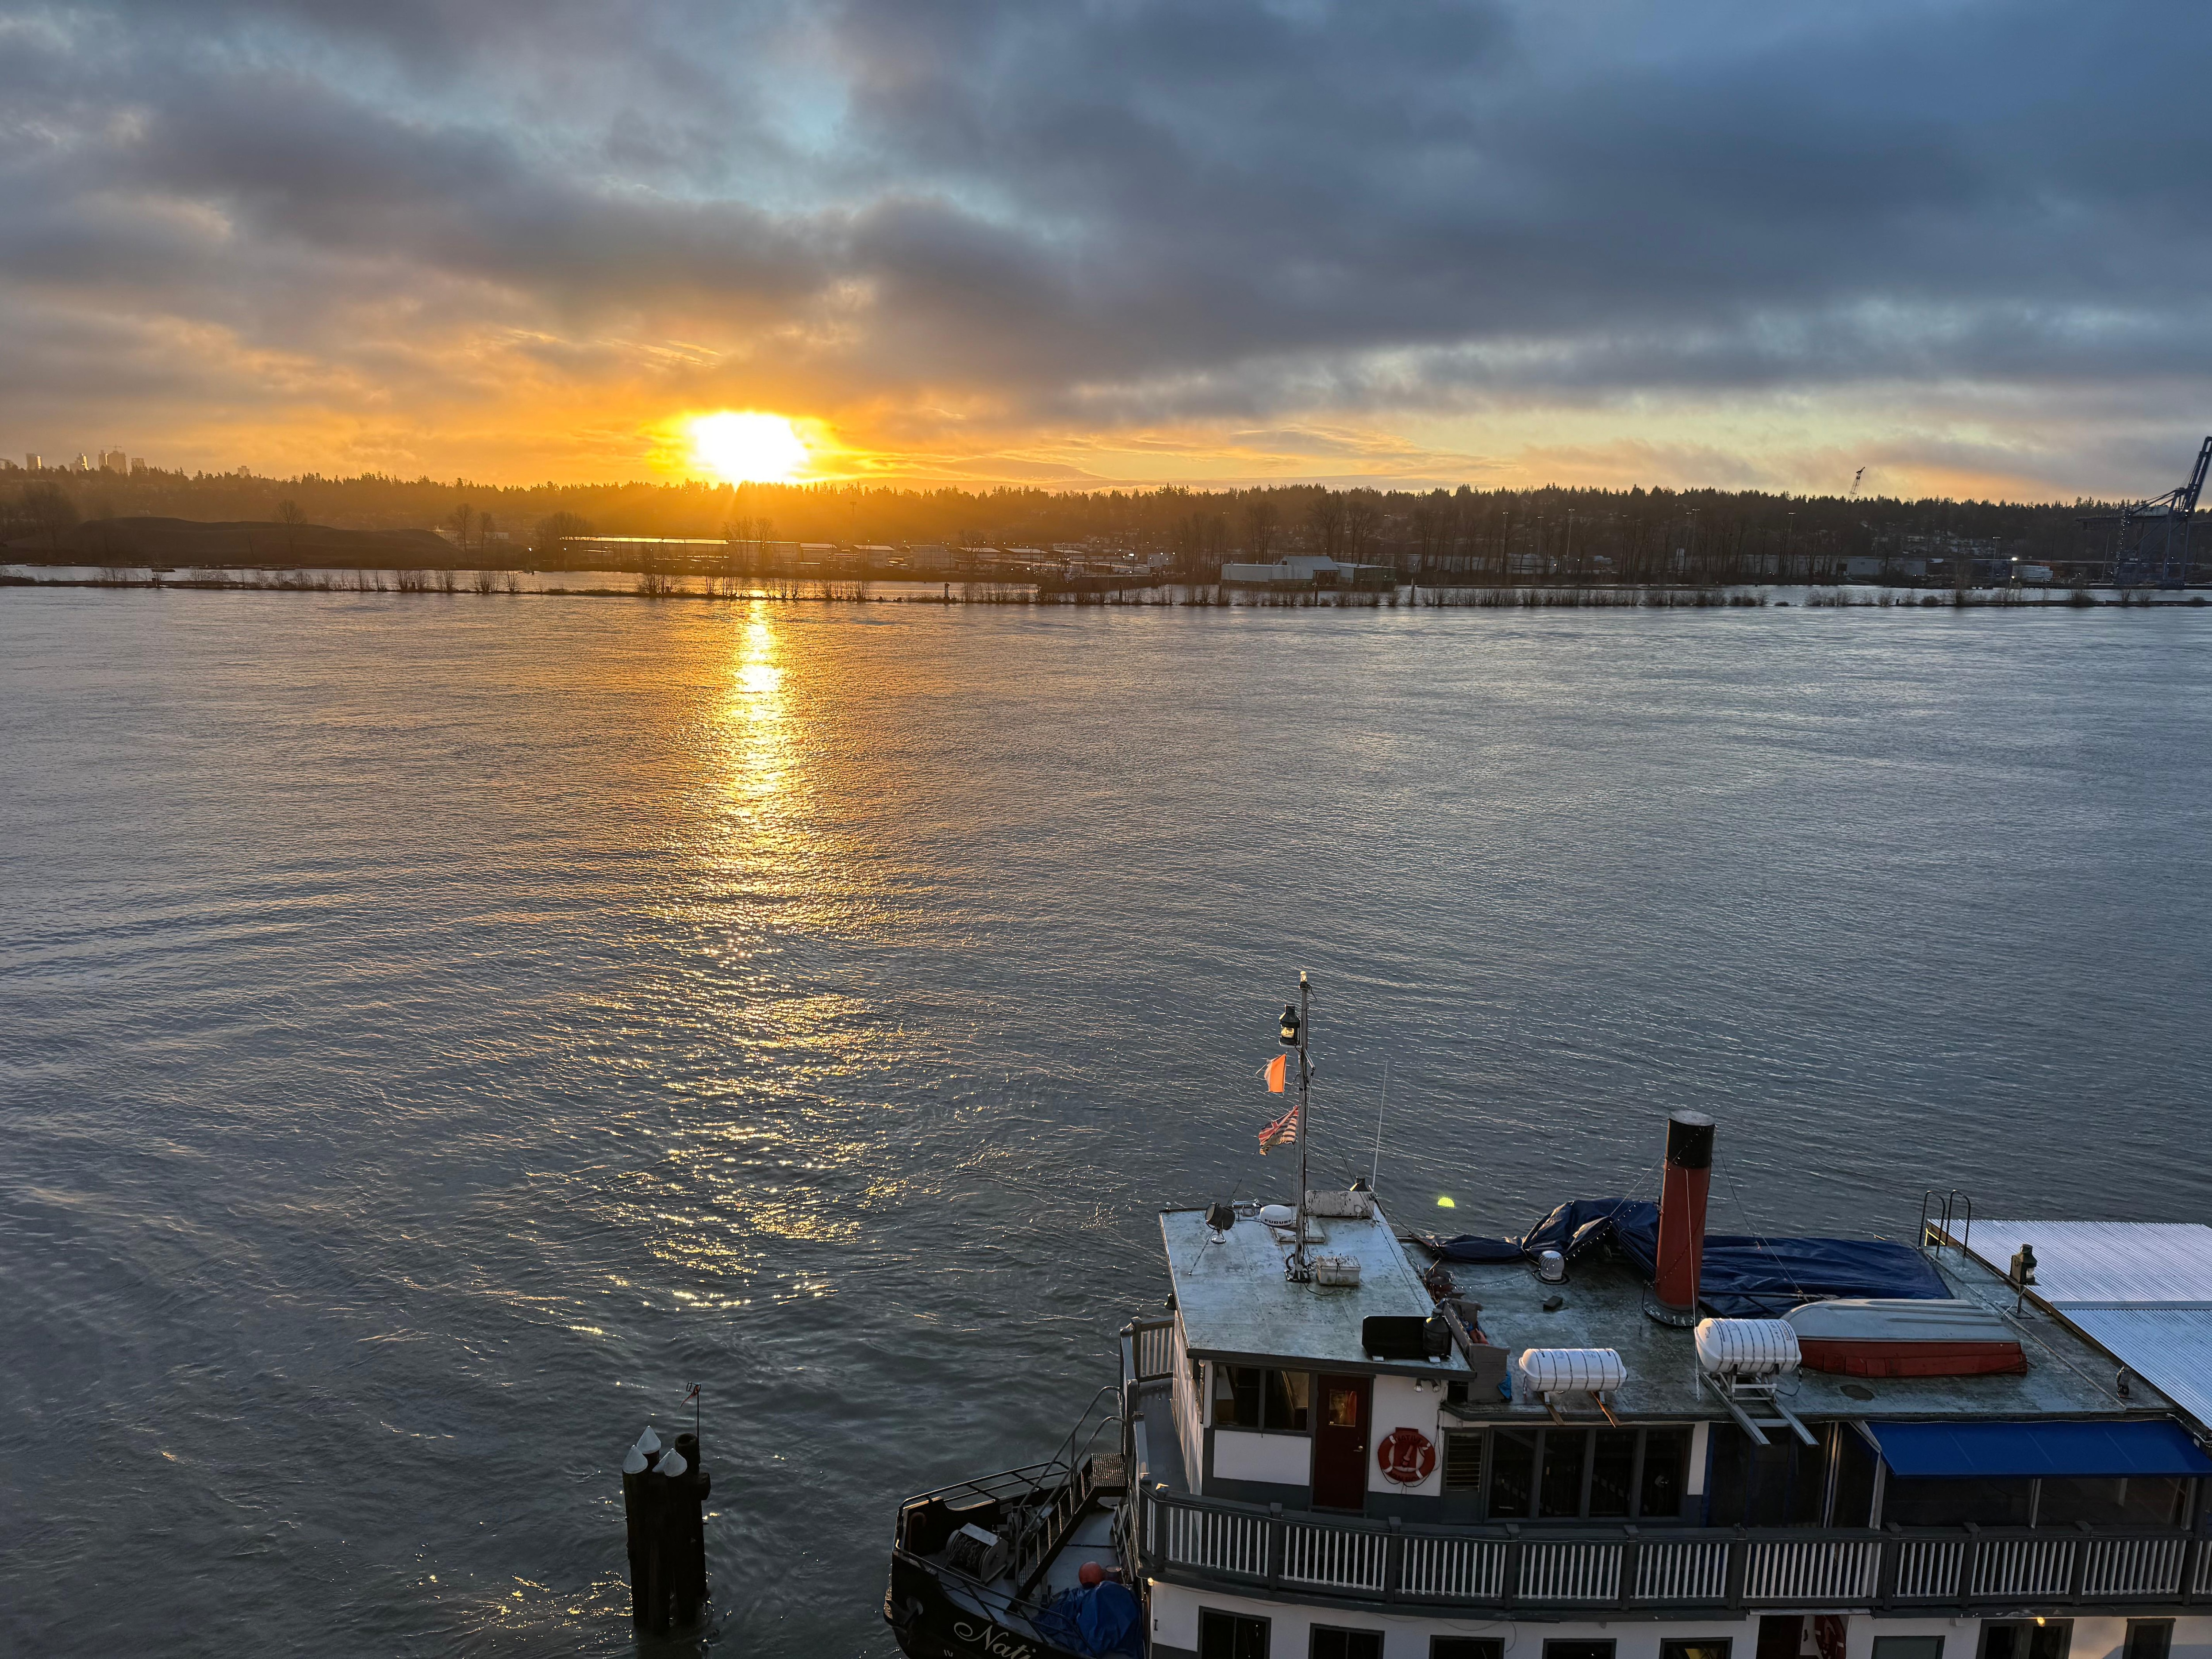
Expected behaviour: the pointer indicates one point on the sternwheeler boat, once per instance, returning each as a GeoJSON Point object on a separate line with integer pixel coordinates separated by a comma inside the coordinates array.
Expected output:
{"type": "Point", "coordinates": [1611, 1438]}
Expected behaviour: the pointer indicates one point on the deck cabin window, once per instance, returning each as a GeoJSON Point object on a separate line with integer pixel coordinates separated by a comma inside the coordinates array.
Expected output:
{"type": "Point", "coordinates": [1697, 1647]}
{"type": "Point", "coordinates": [1570, 1475]}
{"type": "Point", "coordinates": [1579, 1649]}
{"type": "Point", "coordinates": [1261, 1397]}
{"type": "Point", "coordinates": [1953, 1503]}
{"type": "Point", "coordinates": [1481, 1647]}
{"type": "Point", "coordinates": [2149, 1638]}
{"type": "Point", "coordinates": [1332, 1642]}
{"type": "Point", "coordinates": [2133, 1501]}
{"type": "Point", "coordinates": [1230, 1635]}
{"type": "Point", "coordinates": [2023, 1638]}
{"type": "Point", "coordinates": [1908, 1647]}
{"type": "Point", "coordinates": [1781, 1484]}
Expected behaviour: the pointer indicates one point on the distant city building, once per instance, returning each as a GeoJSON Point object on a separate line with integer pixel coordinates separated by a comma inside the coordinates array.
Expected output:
{"type": "Point", "coordinates": [83, 464]}
{"type": "Point", "coordinates": [137, 464]}
{"type": "Point", "coordinates": [114, 460]}
{"type": "Point", "coordinates": [35, 463]}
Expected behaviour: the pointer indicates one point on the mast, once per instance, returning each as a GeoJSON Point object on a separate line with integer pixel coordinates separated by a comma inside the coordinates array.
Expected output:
{"type": "Point", "coordinates": [1305, 1121]}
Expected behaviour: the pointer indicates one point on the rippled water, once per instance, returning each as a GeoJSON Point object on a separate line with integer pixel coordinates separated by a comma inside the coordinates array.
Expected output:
{"type": "Point", "coordinates": [435, 1032]}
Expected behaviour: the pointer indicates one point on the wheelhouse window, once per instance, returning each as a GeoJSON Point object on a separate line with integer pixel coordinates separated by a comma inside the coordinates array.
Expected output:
{"type": "Point", "coordinates": [1570, 1475]}
{"type": "Point", "coordinates": [1261, 1397]}
{"type": "Point", "coordinates": [1948, 1503]}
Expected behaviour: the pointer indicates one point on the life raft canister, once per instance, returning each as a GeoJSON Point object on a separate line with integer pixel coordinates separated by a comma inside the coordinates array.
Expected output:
{"type": "Point", "coordinates": [1406, 1456]}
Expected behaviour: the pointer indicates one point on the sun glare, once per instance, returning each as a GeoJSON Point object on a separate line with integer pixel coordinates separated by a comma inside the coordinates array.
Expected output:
{"type": "Point", "coordinates": [748, 448]}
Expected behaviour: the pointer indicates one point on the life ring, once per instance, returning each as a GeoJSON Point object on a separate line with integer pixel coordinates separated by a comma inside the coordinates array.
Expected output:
{"type": "Point", "coordinates": [1406, 1456]}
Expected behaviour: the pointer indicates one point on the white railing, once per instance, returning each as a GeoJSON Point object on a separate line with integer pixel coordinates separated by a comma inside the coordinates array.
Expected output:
{"type": "Point", "coordinates": [1682, 1572]}
{"type": "Point", "coordinates": [1155, 1346]}
{"type": "Point", "coordinates": [1211, 1540]}
{"type": "Point", "coordinates": [1332, 1557]}
{"type": "Point", "coordinates": [1445, 1567]}
{"type": "Point", "coordinates": [1453, 1569]}
{"type": "Point", "coordinates": [1927, 1569]}
{"type": "Point", "coordinates": [2135, 1567]}
{"type": "Point", "coordinates": [2023, 1566]}
{"type": "Point", "coordinates": [1817, 1570]}
{"type": "Point", "coordinates": [1570, 1572]}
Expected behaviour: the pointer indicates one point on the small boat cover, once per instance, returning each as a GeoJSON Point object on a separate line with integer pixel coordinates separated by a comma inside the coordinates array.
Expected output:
{"type": "Point", "coordinates": [1992, 1450]}
{"type": "Point", "coordinates": [1744, 1276]}
{"type": "Point", "coordinates": [1105, 1618]}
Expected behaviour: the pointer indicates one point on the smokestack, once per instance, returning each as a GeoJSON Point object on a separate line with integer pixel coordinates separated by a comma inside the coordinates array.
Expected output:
{"type": "Point", "coordinates": [1682, 1216]}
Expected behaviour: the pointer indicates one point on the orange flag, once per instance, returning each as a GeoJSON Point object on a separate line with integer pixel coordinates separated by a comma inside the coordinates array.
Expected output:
{"type": "Point", "coordinates": [1277, 1069]}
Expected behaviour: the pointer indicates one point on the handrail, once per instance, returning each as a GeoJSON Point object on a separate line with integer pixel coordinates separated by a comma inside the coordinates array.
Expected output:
{"type": "Point", "coordinates": [1503, 1566]}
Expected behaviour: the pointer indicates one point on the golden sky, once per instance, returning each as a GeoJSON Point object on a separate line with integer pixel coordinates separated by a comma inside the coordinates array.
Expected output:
{"type": "Point", "coordinates": [1494, 243]}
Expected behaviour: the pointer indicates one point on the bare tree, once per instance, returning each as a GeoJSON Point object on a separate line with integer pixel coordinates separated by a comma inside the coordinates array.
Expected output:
{"type": "Point", "coordinates": [48, 507]}
{"type": "Point", "coordinates": [1363, 516]}
{"type": "Point", "coordinates": [462, 518]}
{"type": "Point", "coordinates": [1325, 523]}
{"type": "Point", "coordinates": [289, 515]}
{"type": "Point", "coordinates": [1260, 522]}
{"type": "Point", "coordinates": [556, 528]}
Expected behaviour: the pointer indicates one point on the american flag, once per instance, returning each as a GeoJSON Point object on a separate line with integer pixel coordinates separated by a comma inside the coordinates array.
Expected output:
{"type": "Point", "coordinates": [1281, 1133]}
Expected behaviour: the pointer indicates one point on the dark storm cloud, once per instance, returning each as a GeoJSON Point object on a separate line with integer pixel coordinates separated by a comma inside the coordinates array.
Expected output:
{"type": "Point", "coordinates": [1130, 211]}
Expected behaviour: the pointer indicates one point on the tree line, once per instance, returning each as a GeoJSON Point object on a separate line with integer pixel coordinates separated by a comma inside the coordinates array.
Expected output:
{"type": "Point", "coordinates": [1554, 533]}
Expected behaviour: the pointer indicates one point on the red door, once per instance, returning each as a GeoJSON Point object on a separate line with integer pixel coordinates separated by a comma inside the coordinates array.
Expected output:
{"type": "Point", "coordinates": [1340, 1455]}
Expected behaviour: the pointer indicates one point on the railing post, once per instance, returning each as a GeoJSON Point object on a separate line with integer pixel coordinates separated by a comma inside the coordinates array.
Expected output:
{"type": "Point", "coordinates": [1739, 1564]}
{"type": "Point", "coordinates": [1631, 1552]}
{"type": "Point", "coordinates": [1513, 1552]}
{"type": "Point", "coordinates": [1277, 1542]}
{"type": "Point", "coordinates": [1394, 1560]}
{"type": "Point", "coordinates": [1887, 1564]}
{"type": "Point", "coordinates": [2079, 1569]}
{"type": "Point", "coordinates": [1970, 1557]}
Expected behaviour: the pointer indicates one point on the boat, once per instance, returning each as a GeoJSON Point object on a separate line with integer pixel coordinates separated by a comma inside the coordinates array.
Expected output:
{"type": "Point", "coordinates": [1875, 1336]}
{"type": "Point", "coordinates": [1342, 1440]}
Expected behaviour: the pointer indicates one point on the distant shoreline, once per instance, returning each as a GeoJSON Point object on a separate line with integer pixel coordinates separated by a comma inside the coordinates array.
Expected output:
{"type": "Point", "coordinates": [507, 584]}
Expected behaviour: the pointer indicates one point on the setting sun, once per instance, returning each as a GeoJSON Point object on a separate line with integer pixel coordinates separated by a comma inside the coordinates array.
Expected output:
{"type": "Point", "coordinates": [748, 448]}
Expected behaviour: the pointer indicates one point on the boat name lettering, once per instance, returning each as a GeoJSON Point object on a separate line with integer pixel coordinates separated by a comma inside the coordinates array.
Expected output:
{"type": "Point", "coordinates": [999, 1644]}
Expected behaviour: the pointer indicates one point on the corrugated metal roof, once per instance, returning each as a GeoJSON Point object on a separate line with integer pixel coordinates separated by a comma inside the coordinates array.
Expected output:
{"type": "Point", "coordinates": [2113, 1264]}
{"type": "Point", "coordinates": [2170, 1348]}
{"type": "Point", "coordinates": [2139, 1290]}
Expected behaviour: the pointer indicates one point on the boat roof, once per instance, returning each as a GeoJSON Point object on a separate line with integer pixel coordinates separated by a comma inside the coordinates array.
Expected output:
{"type": "Point", "coordinates": [2141, 1291]}
{"type": "Point", "coordinates": [1236, 1304]}
{"type": "Point", "coordinates": [1602, 1306]}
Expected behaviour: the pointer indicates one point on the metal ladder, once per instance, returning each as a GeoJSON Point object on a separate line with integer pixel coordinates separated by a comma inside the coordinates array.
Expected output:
{"type": "Point", "coordinates": [1938, 1210]}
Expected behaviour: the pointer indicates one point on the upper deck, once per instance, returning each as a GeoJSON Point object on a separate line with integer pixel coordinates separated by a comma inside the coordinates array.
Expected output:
{"type": "Point", "coordinates": [1236, 1304]}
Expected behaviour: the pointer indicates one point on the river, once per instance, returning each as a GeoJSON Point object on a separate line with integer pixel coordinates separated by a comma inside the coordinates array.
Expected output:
{"type": "Point", "coordinates": [435, 1032]}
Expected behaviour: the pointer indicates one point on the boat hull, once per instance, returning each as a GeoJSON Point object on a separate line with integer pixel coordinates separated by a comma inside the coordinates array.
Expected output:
{"type": "Point", "coordinates": [932, 1621]}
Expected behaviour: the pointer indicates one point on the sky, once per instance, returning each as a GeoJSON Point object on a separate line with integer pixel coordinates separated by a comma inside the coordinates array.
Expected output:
{"type": "Point", "coordinates": [1962, 244]}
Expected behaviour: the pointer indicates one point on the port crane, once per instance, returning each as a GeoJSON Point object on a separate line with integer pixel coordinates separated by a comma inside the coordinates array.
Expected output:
{"type": "Point", "coordinates": [2150, 539]}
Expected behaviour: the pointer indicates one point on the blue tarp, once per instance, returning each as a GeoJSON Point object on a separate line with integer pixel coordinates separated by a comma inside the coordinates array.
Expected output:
{"type": "Point", "coordinates": [1103, 1620]}
{"type": "Point", "coordinates": [1744, 1276]}
{"type": "Point", "coordinates": [1950, 1450]}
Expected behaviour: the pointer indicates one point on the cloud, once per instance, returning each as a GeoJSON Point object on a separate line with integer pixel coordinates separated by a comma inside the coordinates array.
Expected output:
{"type": "Point", "coordinates": [969, 234]}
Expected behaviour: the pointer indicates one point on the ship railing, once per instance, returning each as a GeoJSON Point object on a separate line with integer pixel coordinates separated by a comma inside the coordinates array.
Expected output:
{"type": "Point", "coordinates": [1064, 1486]}
{"type": "Point", "coordinates": [1505, 1567]}
{"type": "Point", "coordinates": [1151, 1355]}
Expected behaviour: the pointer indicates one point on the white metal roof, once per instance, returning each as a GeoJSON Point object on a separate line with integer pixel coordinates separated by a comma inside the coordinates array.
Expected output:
{"type": "Point", "coordinates": [2140, 1290]}
{"type": "Point", "coordinates": [2170, 1348]}
{"type": "Point", "coordinates": [2112, 1264]}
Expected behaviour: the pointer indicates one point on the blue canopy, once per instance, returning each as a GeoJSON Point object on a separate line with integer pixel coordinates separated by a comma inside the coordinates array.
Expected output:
{"type": "Point", "coordinates": [1743, 1276]}
{"type": "Point", "coordinates": [1950, 1450]}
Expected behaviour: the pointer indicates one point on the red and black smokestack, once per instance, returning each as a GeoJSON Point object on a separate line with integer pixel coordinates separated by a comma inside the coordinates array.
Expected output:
{"type": "Point", "coordinates": [1682, 1216]}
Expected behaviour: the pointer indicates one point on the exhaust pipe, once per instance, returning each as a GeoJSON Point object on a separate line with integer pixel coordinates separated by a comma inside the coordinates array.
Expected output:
{"type": "Point", "coordinates": [1682, 1218]}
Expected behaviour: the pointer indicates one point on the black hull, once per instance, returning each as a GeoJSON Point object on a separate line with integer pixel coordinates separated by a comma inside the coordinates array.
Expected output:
{"type": "Point", "coordinates": [932, 1620]}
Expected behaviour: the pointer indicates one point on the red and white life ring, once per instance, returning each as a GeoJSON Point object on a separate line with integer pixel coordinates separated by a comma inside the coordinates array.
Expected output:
{"type": "Point", "coordinates": [1406, 1456]}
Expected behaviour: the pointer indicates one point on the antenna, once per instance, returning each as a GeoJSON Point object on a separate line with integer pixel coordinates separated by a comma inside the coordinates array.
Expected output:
{"type": "Point", "coordinates": [1376, 1168]}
